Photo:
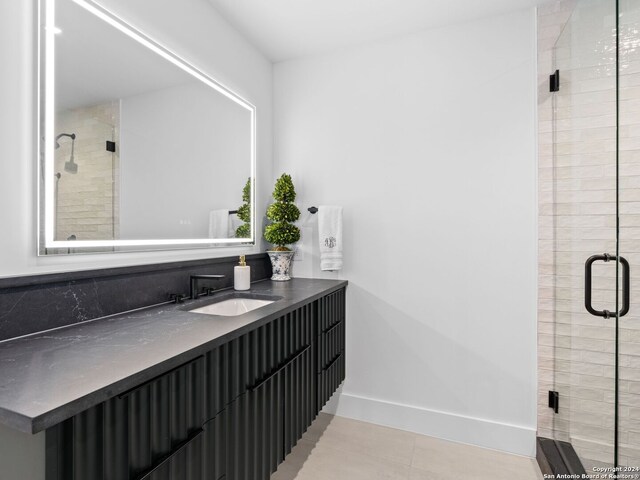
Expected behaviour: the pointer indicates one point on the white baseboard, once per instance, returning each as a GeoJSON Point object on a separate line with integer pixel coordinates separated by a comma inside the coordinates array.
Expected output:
{"type": "Point", "coordinates": [505, 437]}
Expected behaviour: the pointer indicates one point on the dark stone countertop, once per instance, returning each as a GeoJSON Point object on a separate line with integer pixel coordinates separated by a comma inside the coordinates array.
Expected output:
{"type": "Point", "coordinates": [48, 377]}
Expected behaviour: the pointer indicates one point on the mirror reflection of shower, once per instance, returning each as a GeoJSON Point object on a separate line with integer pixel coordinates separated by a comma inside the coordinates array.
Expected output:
{"type": "Point", "coordinates": [70, 166]}
{"type": "Point", "coordinates": [86, 202]}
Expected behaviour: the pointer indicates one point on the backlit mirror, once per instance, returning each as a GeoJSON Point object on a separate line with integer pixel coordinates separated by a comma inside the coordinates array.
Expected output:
{"type": "Point", "coordinates": [139, 149]}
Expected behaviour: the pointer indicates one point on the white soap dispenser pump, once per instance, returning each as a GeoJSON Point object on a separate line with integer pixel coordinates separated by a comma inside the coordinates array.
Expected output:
{"type": "Point", "coordinates": [242, 275]}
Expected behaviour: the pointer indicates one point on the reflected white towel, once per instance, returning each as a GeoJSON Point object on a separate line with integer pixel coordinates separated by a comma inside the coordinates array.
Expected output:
{"type": "Point", "coordinates": [234, 223]}
{"type": "Point", "coordinates": [219, 224]}
{"type": "Point", "coordinates": [330, 229]}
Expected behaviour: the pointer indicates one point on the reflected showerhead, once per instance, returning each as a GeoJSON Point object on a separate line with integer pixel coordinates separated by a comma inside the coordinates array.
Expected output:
{"type": "Point", "coordinates": [69, 166]}
{"type": "Point", "coordinates": [72, 136]}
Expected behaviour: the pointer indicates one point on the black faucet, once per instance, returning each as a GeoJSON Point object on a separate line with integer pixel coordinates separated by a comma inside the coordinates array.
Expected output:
{"type": "Point", "coordinates": [193, 284]}
{"type": "Point", "coordinates": [177, 297]}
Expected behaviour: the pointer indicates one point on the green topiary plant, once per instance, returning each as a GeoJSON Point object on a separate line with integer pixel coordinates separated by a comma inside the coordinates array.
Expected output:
{"type": "Point", "coordinates": [280, 232]}
{"type": "Point", "coordinates": [244, 212]}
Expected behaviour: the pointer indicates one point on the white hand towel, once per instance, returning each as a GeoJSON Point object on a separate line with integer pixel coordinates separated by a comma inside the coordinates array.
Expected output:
{"type": "Point", "coordinates": [330, 228]}
{"type": "Point", "coordinates": [219, 224]}
{"type": "Point", "coordinates": [234, 223]}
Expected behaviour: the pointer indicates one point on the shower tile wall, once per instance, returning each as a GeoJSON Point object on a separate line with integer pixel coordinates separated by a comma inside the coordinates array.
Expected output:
{"type": "Point", "coordinates": [88, 205]}
{"type": "Point", "coordinates": [576, 351]}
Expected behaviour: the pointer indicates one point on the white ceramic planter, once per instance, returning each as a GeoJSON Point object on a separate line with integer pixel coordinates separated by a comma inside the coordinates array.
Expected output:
{"type": "Point", "coordinates": [281, 265]}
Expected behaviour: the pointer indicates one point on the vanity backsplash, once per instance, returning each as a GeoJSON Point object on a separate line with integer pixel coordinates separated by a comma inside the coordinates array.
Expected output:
{"type": "Point", "coordinates": [30, 304]}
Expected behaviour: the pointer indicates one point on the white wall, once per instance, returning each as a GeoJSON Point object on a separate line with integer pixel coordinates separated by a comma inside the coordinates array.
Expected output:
{"type": "Point", "coordinates": [193, 30]}
{"type": "Point", "coordinates": [428, 142]}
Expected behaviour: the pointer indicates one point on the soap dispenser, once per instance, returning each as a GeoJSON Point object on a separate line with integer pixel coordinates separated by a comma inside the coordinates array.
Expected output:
{"type": "Point", "coordinates": [242, 275]}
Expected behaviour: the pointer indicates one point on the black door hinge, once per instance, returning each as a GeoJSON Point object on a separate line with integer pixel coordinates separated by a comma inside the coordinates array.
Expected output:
{"type": "Point", "coordinates": [554, 81]}
{"type": "Point", "coordinates": [554, 400]}
{"type": "Point", "coordinates": [111, 146]}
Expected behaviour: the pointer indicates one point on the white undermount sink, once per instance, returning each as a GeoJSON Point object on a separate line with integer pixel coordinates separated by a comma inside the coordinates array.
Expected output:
{"type": "Point", "coordinates": [232, 307]}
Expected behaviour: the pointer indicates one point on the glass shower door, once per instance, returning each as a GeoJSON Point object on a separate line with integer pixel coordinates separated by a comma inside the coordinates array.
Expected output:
{"type": "Point", "coordinates": [594, 207]}
{"type": "Point", "coordinates": [628, 397]}
{"type": "Point", "coordinates": [582, 250]}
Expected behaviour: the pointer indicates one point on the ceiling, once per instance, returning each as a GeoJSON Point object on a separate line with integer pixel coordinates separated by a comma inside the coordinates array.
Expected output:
{"type": "Point", "coordinates": [286, 29]}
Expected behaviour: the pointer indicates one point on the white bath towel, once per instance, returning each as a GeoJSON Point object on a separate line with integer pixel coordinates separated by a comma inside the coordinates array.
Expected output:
{"type": "Point", "coordinates": [219, 224]}
{"type": "Point", "coordinates": [330, 229]}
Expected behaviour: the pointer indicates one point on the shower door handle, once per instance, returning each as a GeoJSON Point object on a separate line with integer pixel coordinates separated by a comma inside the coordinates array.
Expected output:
{"type": "Point", "coordinates": [625, 285]}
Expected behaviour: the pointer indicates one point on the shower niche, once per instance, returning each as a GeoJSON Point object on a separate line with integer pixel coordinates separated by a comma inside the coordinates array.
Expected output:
{"type": "Point", "coordinates": [139, 149]}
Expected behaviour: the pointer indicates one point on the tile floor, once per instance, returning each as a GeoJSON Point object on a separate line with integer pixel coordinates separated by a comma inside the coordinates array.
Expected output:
{"type": "Point", "coordinates": [337, 448]}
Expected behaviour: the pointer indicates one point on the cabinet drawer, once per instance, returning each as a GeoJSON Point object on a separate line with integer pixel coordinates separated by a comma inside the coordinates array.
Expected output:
{"type": "Point", "coordinates": [330, 379]}
{"type": "Point", "coordinates": [330, 344]}
{"type": "Point", "coordinates": [202, 456]}
{"type": "Point", "coordinates": [331, 310]}
{"type": "Point", "coordinates": [126, 436]}
{"type": "Point", "coordinates": [240, 364]}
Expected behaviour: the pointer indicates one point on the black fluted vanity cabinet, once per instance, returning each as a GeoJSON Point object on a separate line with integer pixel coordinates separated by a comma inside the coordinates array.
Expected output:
{"type": "Point", "coordinates": [233, 413]}
{"type": "Point", "coordinates": [331, 344]}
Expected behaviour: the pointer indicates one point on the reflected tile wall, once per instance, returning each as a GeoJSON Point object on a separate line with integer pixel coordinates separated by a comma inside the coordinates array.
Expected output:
{"type": "Point", "coordinates": [87, 202]}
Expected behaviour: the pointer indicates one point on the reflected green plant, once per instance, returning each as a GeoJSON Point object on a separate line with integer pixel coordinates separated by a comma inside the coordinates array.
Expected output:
{"type": "Point", "coordinates": [244, 212]}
